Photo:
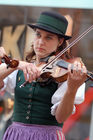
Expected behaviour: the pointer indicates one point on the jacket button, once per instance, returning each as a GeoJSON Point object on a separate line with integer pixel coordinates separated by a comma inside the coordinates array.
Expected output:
{"type": "Point", "coordinates": [28, 112]}
{"type": "Point", "coordinates": [29, 106]}
{"type": "Point", "coordinates": [27, 117]}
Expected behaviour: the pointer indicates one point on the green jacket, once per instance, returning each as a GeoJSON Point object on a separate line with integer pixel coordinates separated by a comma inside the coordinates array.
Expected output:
{"type": "Point", "coordinates": [33, 102]}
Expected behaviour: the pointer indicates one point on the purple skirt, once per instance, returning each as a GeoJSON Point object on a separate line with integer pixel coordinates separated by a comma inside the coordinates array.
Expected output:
{"type": "Point", "coordinates": [20, 131]}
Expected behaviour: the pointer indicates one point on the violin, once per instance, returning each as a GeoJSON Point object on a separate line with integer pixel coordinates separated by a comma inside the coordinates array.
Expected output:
{"type": "Point", "coordinates": [57, 72]}
{"type": "Point", "coordinates": [53, 69]}
{"type": "Point", "coordinates": [64, 64]}
{"type": "Point", "coordinates": [12, 63]}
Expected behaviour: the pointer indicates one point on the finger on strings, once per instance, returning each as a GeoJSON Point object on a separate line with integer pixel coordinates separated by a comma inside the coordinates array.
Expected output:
{"type": "Point", "coordinates": [70, 70]}
{"type": "Point", "coordinates": [84, 70]}
{"type": "Point", "coordinates": [79, 68]}
{"type": "Point", "coordinates": [75, 67]}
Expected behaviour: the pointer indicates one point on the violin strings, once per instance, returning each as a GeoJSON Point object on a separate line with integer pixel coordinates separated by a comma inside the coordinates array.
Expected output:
{"type": "Point", "coordinates": [90, 77]}
{"type": "Point", "coordinates": [91, 74]}
{"type": "Point", "coordinates": [69, 46]}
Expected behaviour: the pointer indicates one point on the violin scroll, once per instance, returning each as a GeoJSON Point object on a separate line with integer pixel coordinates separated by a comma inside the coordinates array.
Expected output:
{"type": "Point", "coordinates": [12, 63]}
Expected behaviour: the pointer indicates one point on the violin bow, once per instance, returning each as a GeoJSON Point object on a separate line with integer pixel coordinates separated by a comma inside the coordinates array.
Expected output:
{"type": "Point", "coordinates": [64, 50]}
{"type": "Point", "coordinates": [69, 46]}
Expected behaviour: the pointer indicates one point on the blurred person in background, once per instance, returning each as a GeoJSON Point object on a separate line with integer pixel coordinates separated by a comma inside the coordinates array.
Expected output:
{"type": "Point", "coordinates": [6, 117]}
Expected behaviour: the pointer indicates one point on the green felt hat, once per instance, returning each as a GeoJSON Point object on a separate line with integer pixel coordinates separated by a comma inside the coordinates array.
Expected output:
{"type": "Point", "coordinates": [52, 22]}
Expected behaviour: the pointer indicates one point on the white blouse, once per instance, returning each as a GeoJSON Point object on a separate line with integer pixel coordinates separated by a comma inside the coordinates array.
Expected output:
{"type": "Point", "coordinates": [10, 83]}
{"type": "Point", "coordinates": [60, 92]}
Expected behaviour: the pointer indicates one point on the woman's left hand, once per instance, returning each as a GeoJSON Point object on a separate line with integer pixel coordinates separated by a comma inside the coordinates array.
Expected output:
{"type": "Point", "coordinates": [77, 76]}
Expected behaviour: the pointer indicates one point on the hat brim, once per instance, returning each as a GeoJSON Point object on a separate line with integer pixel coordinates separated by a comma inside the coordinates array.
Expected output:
{"type": "Point", "coordinates": [34, 26]}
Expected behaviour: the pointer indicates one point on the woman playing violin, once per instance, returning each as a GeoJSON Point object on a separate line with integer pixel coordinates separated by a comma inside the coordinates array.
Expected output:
{"type": "Point", "coordinates": [37, 113]}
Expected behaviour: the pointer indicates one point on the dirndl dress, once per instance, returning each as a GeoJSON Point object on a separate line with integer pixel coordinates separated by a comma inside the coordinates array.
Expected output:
{"type": "Point", "coordinates": [20, 131]}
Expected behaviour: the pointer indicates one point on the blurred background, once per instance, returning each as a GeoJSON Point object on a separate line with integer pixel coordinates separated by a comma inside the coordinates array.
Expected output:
{"type": "Point", "coordinates": [16, 38]}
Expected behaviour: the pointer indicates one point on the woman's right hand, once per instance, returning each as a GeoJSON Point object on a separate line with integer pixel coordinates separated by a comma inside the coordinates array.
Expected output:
{"type": "Point", "coordinates": [31, 72]}
{"type": "Point", "coordinates": [2, 52]}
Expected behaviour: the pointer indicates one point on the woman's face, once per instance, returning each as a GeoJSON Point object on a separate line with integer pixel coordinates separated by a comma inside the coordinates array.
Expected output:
{"type": "Point", "coordinates": [45, 43]}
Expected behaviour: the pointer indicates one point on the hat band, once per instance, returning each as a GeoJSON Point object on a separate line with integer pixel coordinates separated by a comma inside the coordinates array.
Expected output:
{"type": "Point", "coordinates": [54, 23]}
